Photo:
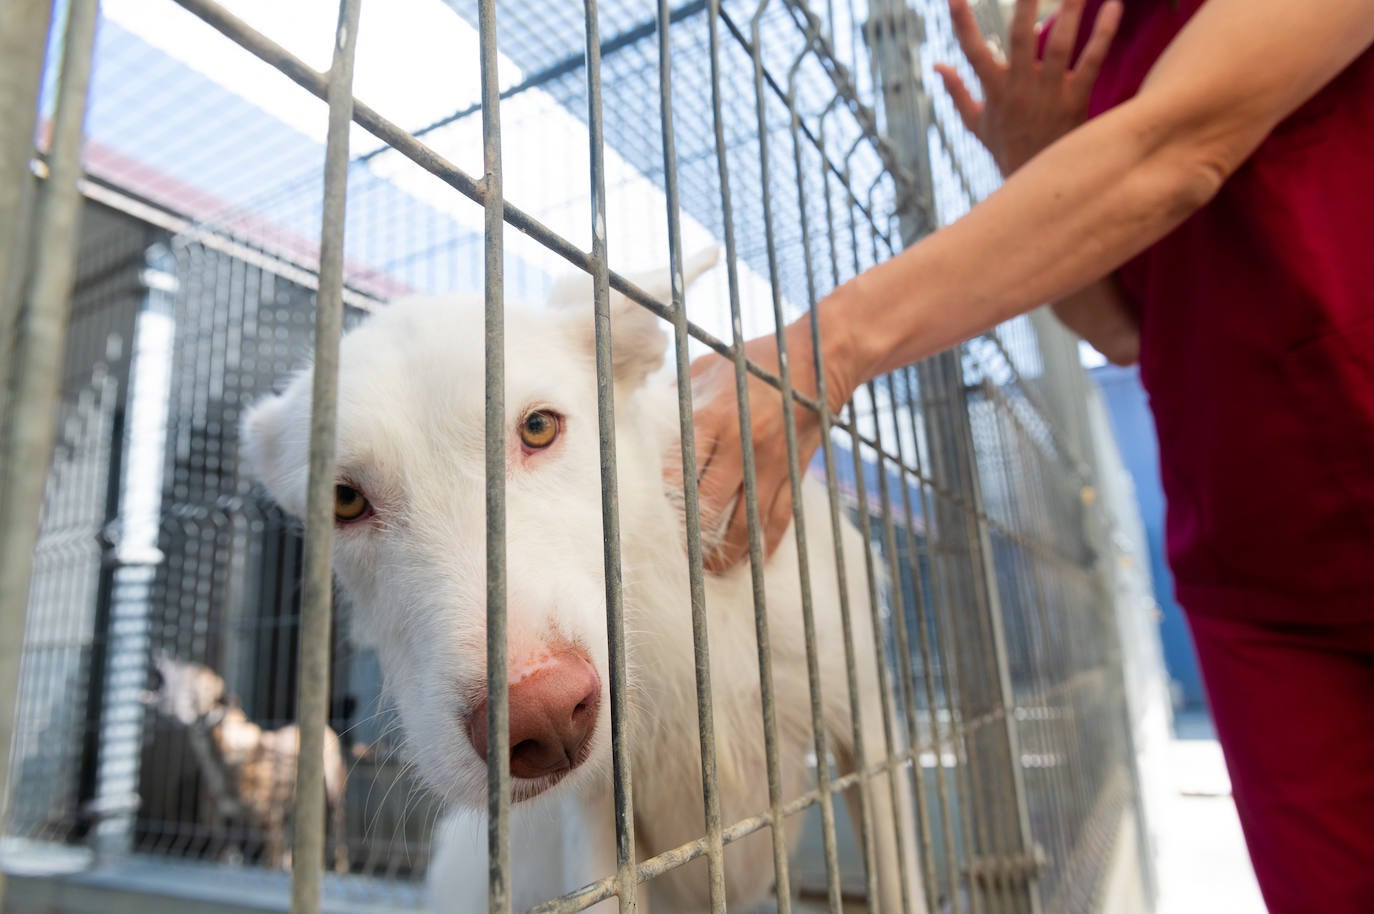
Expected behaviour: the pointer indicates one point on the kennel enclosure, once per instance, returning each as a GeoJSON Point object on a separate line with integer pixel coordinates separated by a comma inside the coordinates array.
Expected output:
{"type": "Point", "coordinates": [179, 253]}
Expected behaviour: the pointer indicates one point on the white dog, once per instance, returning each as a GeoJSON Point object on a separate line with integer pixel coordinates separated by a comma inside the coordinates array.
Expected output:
{"type": "Point", "coordinates": [410, 547]}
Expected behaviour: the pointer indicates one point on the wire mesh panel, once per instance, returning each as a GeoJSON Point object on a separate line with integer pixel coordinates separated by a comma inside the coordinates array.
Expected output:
{"type": "Point", "coordinates": [916, 704]}
{"type": "Point", "coordinates": [53, 778]}
{"type": "Point", "coordinates": [166, 593]}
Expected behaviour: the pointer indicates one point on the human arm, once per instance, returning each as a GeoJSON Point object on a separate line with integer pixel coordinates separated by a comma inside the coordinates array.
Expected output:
{"type": "Point", "coordinates": [1099, 314]}
{"type": "Point", "coordinates": [1072, 214]}
{"type": "Point", "coordinates": [1029, 101]}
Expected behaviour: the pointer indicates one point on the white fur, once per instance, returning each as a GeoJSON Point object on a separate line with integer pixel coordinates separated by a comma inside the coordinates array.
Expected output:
{"type": "Point", "coordinates": [411, 438]}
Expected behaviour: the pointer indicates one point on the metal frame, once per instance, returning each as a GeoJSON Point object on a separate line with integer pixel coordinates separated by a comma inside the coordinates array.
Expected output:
{"type": "Point", "coordinates": [27, 412]}
{"type": "Point", "coordinates": [982, 814]}
{"type": "Point", "coordinates": [312, 701]}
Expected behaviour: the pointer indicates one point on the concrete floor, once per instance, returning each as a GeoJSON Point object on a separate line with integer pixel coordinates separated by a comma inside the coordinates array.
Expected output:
{"type": "Point", "coordinates": [1203, 866]}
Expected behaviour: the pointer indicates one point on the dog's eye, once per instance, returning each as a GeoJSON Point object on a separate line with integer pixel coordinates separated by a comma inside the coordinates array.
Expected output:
{"type": "Point", "coordinates": [349, 504]}
{"type": "Point", "coordinates": [539, 429]}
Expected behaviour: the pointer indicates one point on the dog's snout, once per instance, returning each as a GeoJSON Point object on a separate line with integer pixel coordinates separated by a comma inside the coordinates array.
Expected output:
{"type": "Point", "coordinates": [553, 710]}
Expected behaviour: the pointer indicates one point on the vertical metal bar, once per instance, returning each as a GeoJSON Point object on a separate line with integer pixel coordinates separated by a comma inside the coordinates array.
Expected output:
{"type": "Point", "coordinates": [866, 823]}
{"type": "Point", "coordinates": [924, 619]}
{"type": "Point", "coordinates": [921, 614]}
{"type": "Point", "coordinates": [899, 623]}
{"type": "Point", "coordinates": [992, 759]}
{"type": "Point", "coordinates": [943, 517]}
{"type": "Point", "coordinates": [124, 599]}
{"type": "Point", "coordinates": [865, 529]}
{"type": "Point", "coordinates": [312, 683]}
{"type": "Point", "coordinates": [1025, 502]}
{"type": "Point", "coordinates": [89, 764]}
{"type": "Point", "coordinates": [980, 633]}
{"type": "Point", "coordinates": [783, 889]}
{"type": "Point", "coordinates": [894, 33]}
{"type": "Point", "coordinates": [1066, 380]}
{"type": "Point", "coordinates": [890, 738]}
{"type": "Point", "coordinates": [715, 850]}
{"type": "Point", "coordinates": [26, 439]}
{"type": "Point", "coordinates": [794, 478]}
{"type": "Point", "coordinates": [23, 43]}
{"type": "Point", "coordinates": [1000, 748]}
{"type": "Point", "coordinates": [610, 492]}
{"type": "Point", "coordinates": [995, 758]}
{"type": "Point", "coordinates": [498, 688]}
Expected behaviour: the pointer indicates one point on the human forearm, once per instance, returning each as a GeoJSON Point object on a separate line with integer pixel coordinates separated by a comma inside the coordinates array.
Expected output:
{"type": "Point", "coordinates": [1114, 186]}
{"type": "Point", "coordinates": [1104, 192]}
{"type": "Point", "coordinates": [1074, 213]}
{"type": "Point", "coordinates": [1099, 314]}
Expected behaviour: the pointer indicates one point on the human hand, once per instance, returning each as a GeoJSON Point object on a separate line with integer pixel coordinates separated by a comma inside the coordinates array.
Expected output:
{"type": "Point", "coordinates": [1029, 102]}
{"type": "Point", "coordinates": [720, 453]}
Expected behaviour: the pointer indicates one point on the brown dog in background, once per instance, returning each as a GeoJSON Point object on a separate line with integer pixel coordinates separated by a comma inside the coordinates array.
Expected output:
{"type": "Point", "coordinates": [249, 771]}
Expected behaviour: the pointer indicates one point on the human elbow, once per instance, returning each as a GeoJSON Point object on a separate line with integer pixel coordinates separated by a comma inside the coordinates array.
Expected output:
{"type": "Point", "coordinates": [1123, 351]}
{"type": "Point", "coordinates": [1203, 175]}
{"type": "Point", "coordinates": [1189, 178]}
{"type": "Point", "coordinates": [1189, 140]}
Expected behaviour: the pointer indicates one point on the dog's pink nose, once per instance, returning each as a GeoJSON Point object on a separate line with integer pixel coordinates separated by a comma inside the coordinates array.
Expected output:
{"type": "Point", "coordinates": [552, 713]}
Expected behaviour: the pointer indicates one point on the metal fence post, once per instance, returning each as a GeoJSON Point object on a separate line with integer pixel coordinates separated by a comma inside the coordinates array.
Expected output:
{"type": "Point", "coordinates": [1004, 862]}
{"type": "Point", "coordinates": [312, 701]}
{"type": "Point", "coordinates": [706, 728]}
{"type": "Point", "coordinates": [23, 41]}
{"type": "Point", "coordinates": [751, 498]}
{"type": "Point", "coordinates": [1064, 382]}
{"type": "Point", "coordinates": [498, 686]}
{"type": "Point", "coordinates": [622, 783]}
{"type": "Point", "coordinates": [40, 347]}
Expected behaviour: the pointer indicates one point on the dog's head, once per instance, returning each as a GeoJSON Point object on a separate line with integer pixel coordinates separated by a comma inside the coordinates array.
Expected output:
{"type": "Point", "coordinates": [410, 513]}
{"type": "Point", "coordinates": [185, 692]}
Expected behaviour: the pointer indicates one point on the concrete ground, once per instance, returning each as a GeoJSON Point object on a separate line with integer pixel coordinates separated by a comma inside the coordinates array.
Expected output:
{"type": "Point", "coordinates": [1203, 866]}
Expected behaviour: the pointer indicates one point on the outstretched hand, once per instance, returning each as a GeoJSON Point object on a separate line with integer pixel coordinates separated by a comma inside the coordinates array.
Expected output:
{"type": "Point", "coordinates": [1029, 101]}
{"type": "Point", "coordinates": [720, 453]}
{"type": "Point", "coordinates": [1029, 104]}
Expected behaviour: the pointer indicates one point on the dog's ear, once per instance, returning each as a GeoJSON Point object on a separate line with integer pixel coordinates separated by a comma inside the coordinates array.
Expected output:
{"type": "Point", "coordinates": [639, 337]}
{"type": "Point", "coordinates": [274, 443]}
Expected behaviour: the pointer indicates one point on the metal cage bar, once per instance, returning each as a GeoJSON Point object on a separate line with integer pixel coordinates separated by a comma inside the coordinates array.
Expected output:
{"type": "Point", "coordinates": [866, 819]}
{"type": "Point", "coordinates": [312, 701]}
{"type": "Point", "coordinates": [23, 43]}
{"type": "Point", "coordinates": [623, 795]}
{"type": "Point", "coordinates": [26, 427]}
{"type": "Point", "coordinates": [995, 625]}
{"type": "Point", "coordinates": [794, 479]}
{"type": "Point", "coordinates": [751, 492]}
{"type": "Point", "coordinates": [498, 685]}
{"type": "Point", "coordinates": [715, 849]}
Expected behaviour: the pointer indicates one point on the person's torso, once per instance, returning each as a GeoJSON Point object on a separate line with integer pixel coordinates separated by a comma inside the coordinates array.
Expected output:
{"type": "Point", "coordinates": [1257, 346]}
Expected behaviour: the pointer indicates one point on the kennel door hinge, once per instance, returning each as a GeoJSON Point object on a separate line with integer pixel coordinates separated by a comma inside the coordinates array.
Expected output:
{"type": "Point", "coordinates": [1007, 869]}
